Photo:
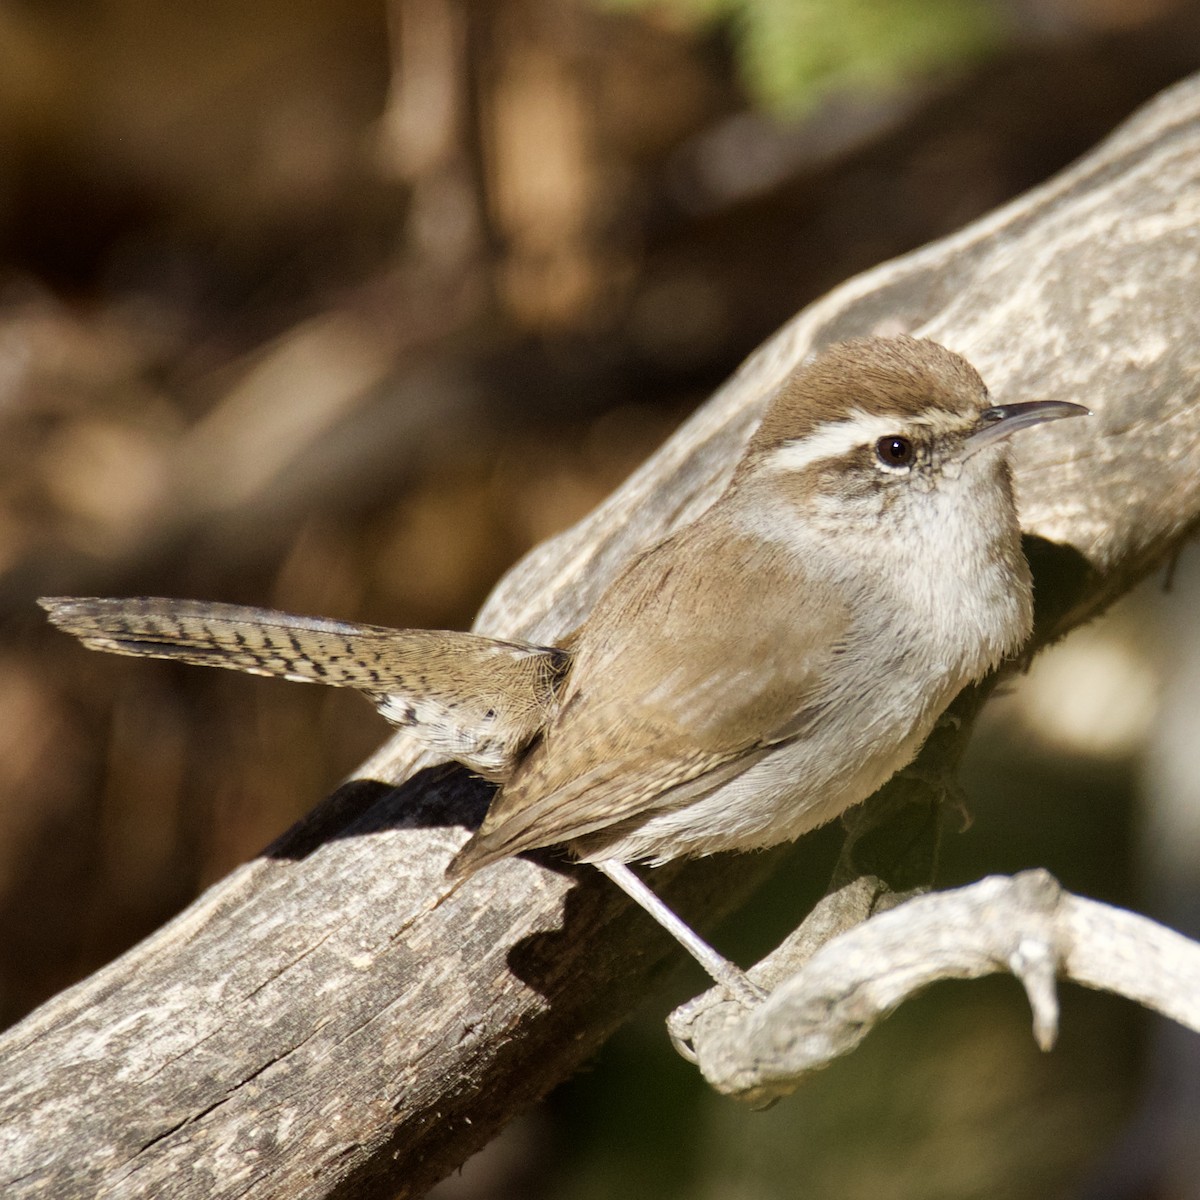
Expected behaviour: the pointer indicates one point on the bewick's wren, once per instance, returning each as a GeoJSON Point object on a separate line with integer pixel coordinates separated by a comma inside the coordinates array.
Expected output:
{"type": "Point", "coordinates": [746, 679]}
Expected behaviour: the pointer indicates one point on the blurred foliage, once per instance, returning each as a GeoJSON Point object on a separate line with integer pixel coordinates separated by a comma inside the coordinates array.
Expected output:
{"type": "Point", "coordinates": [795, 53]}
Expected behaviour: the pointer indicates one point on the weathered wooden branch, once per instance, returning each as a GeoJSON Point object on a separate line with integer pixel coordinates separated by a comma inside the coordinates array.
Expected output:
{"type": "Point", "coordinates": [330, 1020]}
{"type": "Point", "coordinates": [1026, 925]}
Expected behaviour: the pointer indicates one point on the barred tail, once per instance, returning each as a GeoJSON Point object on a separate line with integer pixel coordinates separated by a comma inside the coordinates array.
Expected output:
{"type": "Point", "coordinates": [256, 640]}
{"type": "Point", "coordinates": [479, 700]}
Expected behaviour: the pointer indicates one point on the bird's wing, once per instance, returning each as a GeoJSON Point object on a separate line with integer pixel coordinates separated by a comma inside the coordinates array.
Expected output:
{"type": "Point", "coordinates": [685, 675]}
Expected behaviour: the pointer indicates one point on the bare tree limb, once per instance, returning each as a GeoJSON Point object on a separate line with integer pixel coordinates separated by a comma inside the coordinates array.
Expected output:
{"type": "Point", "coordinates": [1026, 925]}
{"type": "Point", "coordinates": [330, 1020]}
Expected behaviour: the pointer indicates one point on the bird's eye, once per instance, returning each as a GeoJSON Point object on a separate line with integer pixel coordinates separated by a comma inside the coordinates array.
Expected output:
{"type": "Point", "coordinates": [894, 451]}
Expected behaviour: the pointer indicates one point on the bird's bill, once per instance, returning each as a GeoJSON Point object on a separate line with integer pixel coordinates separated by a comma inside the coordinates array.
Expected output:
{"type": "Point", "coordinates": [1002, 421]}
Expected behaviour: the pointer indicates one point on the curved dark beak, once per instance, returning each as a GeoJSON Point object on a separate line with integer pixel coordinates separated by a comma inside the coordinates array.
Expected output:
{"type": "Point", "coordinates": [996, 424]}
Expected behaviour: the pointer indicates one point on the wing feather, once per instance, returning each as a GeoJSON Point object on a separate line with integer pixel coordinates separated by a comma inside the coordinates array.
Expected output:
{"type": "Point", "coordinates": [738, 663]}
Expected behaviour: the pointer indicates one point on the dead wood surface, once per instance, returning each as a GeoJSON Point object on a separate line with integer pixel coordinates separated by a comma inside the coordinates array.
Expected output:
{"type": "Point", "coordinates": [1026, 925]}
{"type": "Point", "coordinates": [328, 1021]}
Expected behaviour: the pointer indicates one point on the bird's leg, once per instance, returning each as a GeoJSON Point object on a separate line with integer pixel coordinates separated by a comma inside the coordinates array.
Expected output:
{"type": "Point", "coordinates": [732, 978]}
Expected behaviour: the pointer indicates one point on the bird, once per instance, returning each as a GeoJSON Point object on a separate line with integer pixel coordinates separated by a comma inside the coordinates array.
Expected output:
{"type": "Point", "coordinates": [746, 679]}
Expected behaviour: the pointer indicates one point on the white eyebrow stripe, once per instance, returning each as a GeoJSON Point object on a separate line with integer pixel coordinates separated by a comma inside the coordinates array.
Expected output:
{"type": "Point", "coordinates": [831, 440]}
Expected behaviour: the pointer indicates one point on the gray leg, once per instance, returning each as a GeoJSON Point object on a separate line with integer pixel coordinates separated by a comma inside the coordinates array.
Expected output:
{"type": "Point", "coordinates": [730, 977]}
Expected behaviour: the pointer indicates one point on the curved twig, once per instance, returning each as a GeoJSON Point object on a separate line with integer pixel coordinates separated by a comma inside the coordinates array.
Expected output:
{"type": "Point", "coordinates": [1026, 925]}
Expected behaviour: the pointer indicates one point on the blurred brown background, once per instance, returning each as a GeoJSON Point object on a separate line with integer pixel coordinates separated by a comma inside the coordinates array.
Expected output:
{"type": "Point", "coordinates": [341, 305]}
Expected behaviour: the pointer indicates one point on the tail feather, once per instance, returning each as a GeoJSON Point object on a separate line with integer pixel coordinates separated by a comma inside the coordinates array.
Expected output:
{"type": "Point", "coordinates": [259, 641]}
{"type": "Point", "coordinates": [479, 699]}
